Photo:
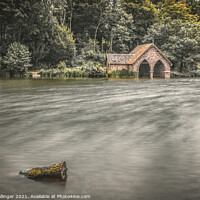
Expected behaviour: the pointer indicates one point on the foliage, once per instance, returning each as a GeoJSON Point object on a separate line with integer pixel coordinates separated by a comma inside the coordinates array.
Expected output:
{"type": "Point", "coordinates": [27, 22]}
{"type": "Point", "coordinates": [17, 59]}
{"type": "Point", "coordinates": [33, 24]}
{"type": "Point", "coordinates": [177, 10]}
{"type": "Point", "coordinates": [62, 47]}
{"type": "Point", "coordinates": [175, 74]}
{"type": "Point", "coordinates": [144, 14]}
{"type": "Point", "coordinates": [194, 6]}
{"type": "Point", "coordinates": [118, 30]}
{"type": "Point", "coordinates": [179, 41]}
{"type": "Point", "coordinates": [122, 74]}
{"type": "Point", "coordinates": [198, 66]}
{"type": "Point", "coordinates": [87, 15]}
{"type": "Point", "coordinates": [71, 33]}
{"type": "Point", "coordinates": [61, 65]}
{"type": "Point", "coordinates": [104, 22]}
{"type": "Point", "coordinates": [84, 71]}
{"type": "Point", "coordinates": [90, 53]}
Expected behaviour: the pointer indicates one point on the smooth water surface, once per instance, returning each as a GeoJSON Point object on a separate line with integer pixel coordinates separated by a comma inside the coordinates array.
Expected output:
{"type": "Point", "coordinates": [121, 139]}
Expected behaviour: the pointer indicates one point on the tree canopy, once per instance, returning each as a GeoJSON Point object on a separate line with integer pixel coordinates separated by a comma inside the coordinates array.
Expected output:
{"type": "Point", "coordinates": [17, 59]}
{"type": "Point", "coordinates": [179, 41]}
{"type": "Point", "coordinates": [178, 10]}
{"type": "Point", "coordinates": [68, 31]}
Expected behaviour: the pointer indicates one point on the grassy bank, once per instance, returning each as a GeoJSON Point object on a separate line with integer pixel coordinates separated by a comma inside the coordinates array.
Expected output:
{"type": "Point", "coordinates": [93, 72]}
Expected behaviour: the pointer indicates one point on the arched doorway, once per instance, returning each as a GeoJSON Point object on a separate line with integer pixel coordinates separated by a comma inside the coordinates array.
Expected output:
{"type": "Point", "coordinates": [144, 70]}
{"type": "Point", "coordinates": [159, 70]}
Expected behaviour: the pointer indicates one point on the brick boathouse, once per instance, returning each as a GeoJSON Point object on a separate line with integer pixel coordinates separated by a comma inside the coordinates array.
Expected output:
{"type": "Point", "coordinates": [147, 61]}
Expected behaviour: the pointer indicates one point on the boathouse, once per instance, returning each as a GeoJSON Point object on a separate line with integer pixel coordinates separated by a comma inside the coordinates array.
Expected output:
{"type": "Point", "coordinates": [147, 61]}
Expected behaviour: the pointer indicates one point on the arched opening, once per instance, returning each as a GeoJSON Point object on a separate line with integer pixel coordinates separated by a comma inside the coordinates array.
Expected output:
{"type": "Point", "coordinates": [159, 70]}
{"type": "Point", "coordinates": [144, 70]}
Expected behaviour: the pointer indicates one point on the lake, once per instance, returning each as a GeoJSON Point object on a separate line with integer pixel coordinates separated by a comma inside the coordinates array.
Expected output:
{"type": "Point", "coordinates": [121, 139]}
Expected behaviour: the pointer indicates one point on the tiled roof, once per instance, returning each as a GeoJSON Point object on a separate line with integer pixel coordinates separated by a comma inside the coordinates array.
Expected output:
{"type": "Point", "coordinates": [119, 58]}
{"type": "Point", "coordinates": [128, 58]}
{"type": "Point", "coordinates": [138, 51]}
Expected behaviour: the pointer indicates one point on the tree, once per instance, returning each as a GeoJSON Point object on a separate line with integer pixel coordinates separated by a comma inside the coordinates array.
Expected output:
{"type": "Point", "coordinates": [17, 59]}
{"type": "Point", "coordinates": [177, 10]}
{"type": "Point", "coordinates": [59, 7]}
{"type": "Point", "coordinates": [179, 41]}
{"type": "Point", "coordinates": [106, 23]}
{"type": "Point", "coordinates": [144, 14]}
{"type": "Point", "coordinates": [194, 6]}
{"type": "Point", "coordinates": [33, 23]}
{"type": "Point", "coordinates": [27, 22]}
{"type": "Point", "coordinates": [6, 19]}
{"type": "Point", "coordinates": [90, 55]}
{"type": "Point", "coordinates": [87, 17]}
{"type": "Point", "coordinates": [118, 30]}
{"type": "Point", "coordinates": [71, 5]}
{"type": "Point", "coordinates": [63, 10]}
{"type": "Point", "coordinates": [37, 28]}
{"type": "Point", "coordinates": [62, 45]}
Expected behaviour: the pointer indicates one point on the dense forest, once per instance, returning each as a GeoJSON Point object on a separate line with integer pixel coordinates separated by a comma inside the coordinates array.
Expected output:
{"type": "Point", "coordinates": [64, 34]}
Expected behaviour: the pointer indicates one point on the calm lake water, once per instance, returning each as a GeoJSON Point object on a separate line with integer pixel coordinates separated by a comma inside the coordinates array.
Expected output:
{"type": "Point", "coordinates": [121, 139]}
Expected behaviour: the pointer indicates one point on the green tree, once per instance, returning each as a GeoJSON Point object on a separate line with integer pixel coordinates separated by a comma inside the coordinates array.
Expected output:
{"type": "Point", "coordinates": [194, 6]}
{"type": "Point", "coordinates": [59, 9]}
{"type": "Point", "coordinates": [62, 45]}
{"type": "Point", "coordinates": [144, 14]}
{"type": "Point", "coordinates": [177, 10]}
{"type": "Point", "coordinates": [179, 41]}
{"type": "Point", "coordinates": [37, 28]}
{"type": "Point", "coordinates": [87, 15]}
{"type": "Point", "coordinates": [27, 22]}
{"type": "Point", "coordinates": [90, 55]}
{"type": "Point", "coordinates": [106, 23]}
{"type": "Point", "coordinates": [33, 23]}
{"type": "Point", "coordinates": [117, 32]}
{"type": "Point", "coordinates": [17, 59]}
{"type": "Point", "coordinates": [6, 19]}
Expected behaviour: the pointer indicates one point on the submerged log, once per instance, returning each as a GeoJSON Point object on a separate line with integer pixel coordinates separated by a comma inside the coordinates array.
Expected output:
{"type": "Point", "coordinates": [57, 171]}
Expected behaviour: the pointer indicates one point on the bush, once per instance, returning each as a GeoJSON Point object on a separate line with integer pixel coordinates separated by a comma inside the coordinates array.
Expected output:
{"type": "Point", "coordinates": [195, 73]}
{"type": "Point", "coordinates": [175, 74]}
{"type": "Point", "coordinates": [17, 59]}
{"type": "Point", "coordinates": [122, 74]}
{"type": "Point", "coordinates": [78, 72]}
{"type": "Point", "coordinates": [61, 65]}
{"type": "Point", "coordinates": [90, 55]}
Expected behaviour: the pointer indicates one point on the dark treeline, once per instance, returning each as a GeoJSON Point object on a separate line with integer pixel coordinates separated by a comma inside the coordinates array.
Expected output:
{"type": "Point", "coordinates": [47, 34]}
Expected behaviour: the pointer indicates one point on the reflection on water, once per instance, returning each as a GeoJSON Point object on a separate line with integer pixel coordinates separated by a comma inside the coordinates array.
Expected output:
{"type": "Point", "coordinates": [52, 180]}
{"type": "Point", "coordinates": [122, 139]}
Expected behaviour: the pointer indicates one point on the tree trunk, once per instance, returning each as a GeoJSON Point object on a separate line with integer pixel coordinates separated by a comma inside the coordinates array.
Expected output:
{"type": "Point", "coordinates": [182, 65]}
{"type": "Point", "coordinates": [102, 44]}
{"type": "Point", "coordinates": [58, 171]}
{"type": "Point", "coordinates": [63, 18]}
{"type": "Point", "coordinates": [111, 40]}
{"type": "Point", "coordinates": [95, 36]}
{"type": "Point", "coordinates": [71, 15]}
